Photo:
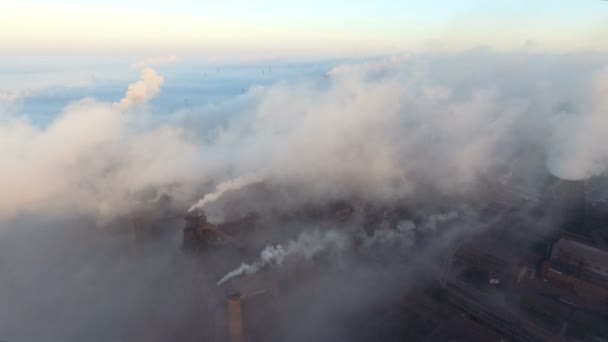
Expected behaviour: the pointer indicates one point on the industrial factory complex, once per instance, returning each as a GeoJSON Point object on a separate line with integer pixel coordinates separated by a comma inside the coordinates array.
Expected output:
{"type": "Point", "coordinates": [515, 276]}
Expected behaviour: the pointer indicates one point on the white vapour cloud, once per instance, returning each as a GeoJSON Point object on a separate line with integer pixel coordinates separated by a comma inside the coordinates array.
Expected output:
{"type": "Point", "coordinates": [154, 62]}
{"type": "Point", "coordinates": [93, 159]}
{"type": "Point", "coordinates": [378, 130]}
{"type": "Point", "coordinates": [143, 90]}
{"type": "Point", "coordinates": [305, 247]}
{"type": "Point", "coordinates": [581, 141]}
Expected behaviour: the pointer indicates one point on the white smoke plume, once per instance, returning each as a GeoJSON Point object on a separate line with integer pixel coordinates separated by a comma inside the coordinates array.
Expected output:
{"type": "Point", "coordinates": [143, 90]}
{"type": "Point", "coordinates": [305, 247]}
{"type": "Point", "coordinates": [230, 185]}
{"type": "Point", "coordinates": [312, 243]}
{"type": "Point", "coordinates": [270, 256]}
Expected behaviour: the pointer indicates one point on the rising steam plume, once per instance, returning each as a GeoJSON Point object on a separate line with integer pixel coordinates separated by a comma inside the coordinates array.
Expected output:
{"type": "Point", "coordinates": [230, 185]}
{"type": "Point", "coordinates": [143, 90]}
{"type": "Point", "coordinates": [305, 247]}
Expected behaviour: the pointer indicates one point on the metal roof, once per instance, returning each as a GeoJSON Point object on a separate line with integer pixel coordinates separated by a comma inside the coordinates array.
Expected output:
{"type": "Point", "coordinates": [579, 251]}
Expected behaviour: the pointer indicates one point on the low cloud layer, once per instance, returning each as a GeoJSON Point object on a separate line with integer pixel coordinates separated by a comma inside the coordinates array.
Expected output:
{"type": "Point", "coordinates": [581, 139]}
{"type": "Point", "coordinates": [95, 159]}
{"type": "Point", "coordinates": [387, 129]}
{"type": "Point", "coordinates": [381, 129]}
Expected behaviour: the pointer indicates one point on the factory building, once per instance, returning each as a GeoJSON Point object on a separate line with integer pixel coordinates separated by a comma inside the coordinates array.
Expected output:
{"type": "Point", "coordinates": [579, 267]}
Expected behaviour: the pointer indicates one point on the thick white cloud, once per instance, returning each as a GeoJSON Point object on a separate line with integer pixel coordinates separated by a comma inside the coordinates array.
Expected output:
{"type": "Point", "coordinates": [578, 157]}
{"type": "Point", "coordinates": [93, 159]}
{"type": "Point", "coordinates": [382, 130]}
{"type": "Point", "coordinates": [385, 129]}
{"type": "Point", "coordinates": [580, 146]}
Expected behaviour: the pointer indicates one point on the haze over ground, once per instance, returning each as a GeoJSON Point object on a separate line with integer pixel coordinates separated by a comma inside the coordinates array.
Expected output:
{"type": "Point", "coordinates": [107, 108]}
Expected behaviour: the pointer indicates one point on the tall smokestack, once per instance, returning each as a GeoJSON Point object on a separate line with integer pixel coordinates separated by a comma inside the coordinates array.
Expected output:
{"type": "Point", "coordinates": [235, 319]}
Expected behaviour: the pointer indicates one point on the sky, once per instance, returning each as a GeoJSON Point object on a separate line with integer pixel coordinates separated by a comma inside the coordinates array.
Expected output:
{"type": "Point", "coordinates": [243, 31]}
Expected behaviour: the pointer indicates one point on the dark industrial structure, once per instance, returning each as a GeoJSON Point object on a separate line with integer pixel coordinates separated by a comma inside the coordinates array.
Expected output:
{"type": "Point", "coordinates": [516, 277]}
{"type": "Point", "coordinates": [580, 268]}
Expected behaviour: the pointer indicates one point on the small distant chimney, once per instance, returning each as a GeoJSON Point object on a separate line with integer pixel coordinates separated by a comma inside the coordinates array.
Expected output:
{"type": "Point", "coordinates": [235, 319]}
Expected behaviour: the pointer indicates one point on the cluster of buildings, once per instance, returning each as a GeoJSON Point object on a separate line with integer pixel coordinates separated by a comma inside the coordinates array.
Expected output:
{"type": "Point", "coordinates": [504, 283]}
{"type": "Point", "coordinates": [580, 268]}
{"type": "Point", "coordinates": [543, 285]}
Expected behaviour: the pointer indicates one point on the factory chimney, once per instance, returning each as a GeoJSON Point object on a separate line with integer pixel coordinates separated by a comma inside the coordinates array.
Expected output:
{"type": "Point", "coordinates": [235, 319]}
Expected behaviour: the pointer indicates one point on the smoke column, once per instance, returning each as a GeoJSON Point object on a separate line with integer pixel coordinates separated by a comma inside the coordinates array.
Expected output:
{"type": "Point", "coordinates": [305, 247]}
{"type": "Point", "coordinates": [270, 255]}
{"type": "Point", "coordinates": [142, 90]}
{"type": "Point", "coordinates": [233, 184]}
{"type": "Point", "coordinates": [312, 243]}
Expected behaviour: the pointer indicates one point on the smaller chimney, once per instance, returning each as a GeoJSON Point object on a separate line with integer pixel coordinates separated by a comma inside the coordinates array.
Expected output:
{"type": "Point", "coordinates": [235, 319]}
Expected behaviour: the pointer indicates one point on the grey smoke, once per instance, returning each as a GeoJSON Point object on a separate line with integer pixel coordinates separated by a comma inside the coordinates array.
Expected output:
{"type": "Point", "coordinates": [404, 234]}
{"type": "Point", "coordinates": [312, 243]}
